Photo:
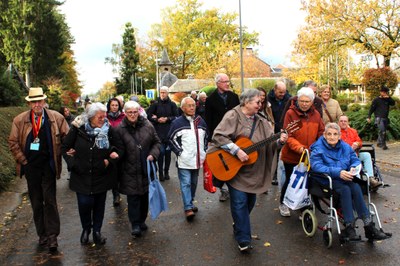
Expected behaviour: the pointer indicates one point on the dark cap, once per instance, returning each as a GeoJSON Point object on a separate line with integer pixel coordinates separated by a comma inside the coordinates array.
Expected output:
{"type": "Point", "coordinates": [384, 89]}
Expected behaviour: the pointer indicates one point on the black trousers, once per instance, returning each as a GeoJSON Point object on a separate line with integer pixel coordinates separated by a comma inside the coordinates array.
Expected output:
{"type": "Point", "coordinates": [42, 194]}
{"type": "Point", "coordinates": [138, 207]}
{"type": "Point", "coordinates": [288, 172]}
{"type": "Point", "coordinates": [91, 210]}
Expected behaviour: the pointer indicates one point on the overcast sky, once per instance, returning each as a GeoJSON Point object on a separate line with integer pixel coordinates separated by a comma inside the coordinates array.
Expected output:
{"type": "Point", "coordinates": [97, 24]}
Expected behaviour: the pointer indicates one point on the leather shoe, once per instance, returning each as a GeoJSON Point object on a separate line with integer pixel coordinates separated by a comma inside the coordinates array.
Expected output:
{"type": "Point", "coordinates": [136, 231]}
{"type": "Point", "coordinates": [166, 175]}
{"type": "Point", "coordinates": [43, 240]}
{"type": "Point", "coordinates": [143, 227]}
{"type": "Point", "coordinates": [53, 244]}
{"type": "Point", "coordinates": [116, 200]}
{"type": "Point", "coordinates": [98, 238]}
{"type": "Point", "coordinates": [161, 176]}
{"type": "Point", "coordinates": [85, 236]}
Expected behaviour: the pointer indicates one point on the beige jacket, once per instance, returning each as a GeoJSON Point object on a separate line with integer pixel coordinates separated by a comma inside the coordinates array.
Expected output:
{"type": "Point", "coordinates": [21, 128]}
{"type": "Point", "coordinates": [254, 178]}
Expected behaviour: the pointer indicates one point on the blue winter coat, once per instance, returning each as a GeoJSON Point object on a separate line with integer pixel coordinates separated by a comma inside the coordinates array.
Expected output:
{"type": "Point", "coordinates": [331, 160]}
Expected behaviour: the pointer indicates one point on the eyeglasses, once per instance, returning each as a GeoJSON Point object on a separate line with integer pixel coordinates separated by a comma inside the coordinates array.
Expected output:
{"type": "Point", "coordinates": [130, 113]}
{"type": "Point", "coordinates": [225, 81]}
{"type": "Point", "coordinates": [304, 102]}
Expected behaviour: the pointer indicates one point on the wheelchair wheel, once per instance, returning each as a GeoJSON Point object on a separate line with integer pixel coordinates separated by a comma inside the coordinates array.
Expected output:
{"type": "Point", "coordinates": [309, 222]}
{"type": "Point", "coordinates": [327, 237]}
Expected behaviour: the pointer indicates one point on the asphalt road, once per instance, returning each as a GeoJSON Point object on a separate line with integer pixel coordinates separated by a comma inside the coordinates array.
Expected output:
{"type": "Point", "coordinates": [208, 240]}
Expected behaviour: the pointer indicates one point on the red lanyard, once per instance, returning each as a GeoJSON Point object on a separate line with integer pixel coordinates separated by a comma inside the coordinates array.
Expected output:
{"type": "Point", "coordinates": [36, 125]}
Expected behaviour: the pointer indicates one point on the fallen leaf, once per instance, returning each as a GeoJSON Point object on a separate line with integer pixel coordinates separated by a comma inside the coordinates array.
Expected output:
{"type": "Point", "coordinates": [279, 222]}
{"type": "Point", "coordinates": [341, 262]}
{"type": "Point", "coordinates": [267, 244]}
{"type": "Point", "coordinates": [255, 237]}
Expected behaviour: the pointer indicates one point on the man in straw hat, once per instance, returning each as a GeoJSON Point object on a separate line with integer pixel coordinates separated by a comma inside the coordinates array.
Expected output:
{"type": "Point", "coordinates": [35, 142]}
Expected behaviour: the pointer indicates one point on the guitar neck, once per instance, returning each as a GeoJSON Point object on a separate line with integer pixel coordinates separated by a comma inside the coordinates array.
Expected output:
{"type": "Point", "coordinates": [259, 145]}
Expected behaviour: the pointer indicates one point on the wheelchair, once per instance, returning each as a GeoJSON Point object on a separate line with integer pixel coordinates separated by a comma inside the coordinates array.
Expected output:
{"type": "Point", "coordinates": [369, 147]}
{"type": "Point", "coordinates": [325, 195]}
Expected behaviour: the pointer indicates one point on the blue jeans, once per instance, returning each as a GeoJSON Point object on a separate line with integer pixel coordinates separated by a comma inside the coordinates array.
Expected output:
{"type": "Point", "coordinates": [382, 124]}
{"type": "Point", "coordinates": [365, 158]}
{"type": "Point", "coordinates": [351, 198]}
{"type": "Point", "coordinates": [188, 182]}
{"type": "Point", "coordinates": [91, 210]}
{"type": "Point", "coordinates": [241, 205]}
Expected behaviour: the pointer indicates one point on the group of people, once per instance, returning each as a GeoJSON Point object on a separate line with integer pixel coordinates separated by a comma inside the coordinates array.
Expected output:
{"type": "Point", "coordinates": [107, 148]}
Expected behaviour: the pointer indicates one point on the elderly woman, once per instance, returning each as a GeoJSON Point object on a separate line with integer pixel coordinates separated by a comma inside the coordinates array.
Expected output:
{"type": "Point", "coordinates": [137, 142]}
{"type": "Point", "coordinates": [331, 108]}
{"type": "Point", "coordinates": [332, 156]}
{"type": "Point", "coordinates": [201, 104]}
{"type": "Point", "coordinates": [91, 159]}
{"type": "Point", "coordinates": [312, 128]}
{"type": "Point", "coordinates": [115, 116]}
{"type": "Point", "coordinates": [244, 120]}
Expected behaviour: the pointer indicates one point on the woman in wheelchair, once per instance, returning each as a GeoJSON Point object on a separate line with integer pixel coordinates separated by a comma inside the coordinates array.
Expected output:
{"type": "Point", "coordinates": [330, 155]}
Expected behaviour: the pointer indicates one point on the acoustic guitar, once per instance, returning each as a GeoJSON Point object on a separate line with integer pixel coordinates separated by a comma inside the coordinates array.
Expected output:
{"type": "Point", "coordinates": [224, 166]}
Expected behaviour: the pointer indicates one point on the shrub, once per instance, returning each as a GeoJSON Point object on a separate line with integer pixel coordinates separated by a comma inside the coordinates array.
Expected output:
{"type": "Point", "coordinates": [374, 79]}
{"type": "Point", "coordinates": [7, 163]}
{"type": "Point", "coordinates": [10, 91]}
{"type": "Point", "coordinates": [208, 90]}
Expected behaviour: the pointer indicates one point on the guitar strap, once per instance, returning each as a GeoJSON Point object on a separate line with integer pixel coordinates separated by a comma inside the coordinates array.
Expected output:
{"type": "Point", "coordinates": [253, 127]}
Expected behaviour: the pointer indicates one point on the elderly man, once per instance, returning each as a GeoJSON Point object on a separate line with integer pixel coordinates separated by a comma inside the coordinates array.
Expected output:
{"type": "Point", "coordinates": [188, 139]}
{"type": "Point", "coordinates": [278, 97]}
{"type": "Point", "coordinates": [350, 136]}
{"type": "Point", "coordinates": [161, 113]}
{"type": "Point", "coordinates": [218, 103]}
{"type": "Point", "coordinates": [35, 142]}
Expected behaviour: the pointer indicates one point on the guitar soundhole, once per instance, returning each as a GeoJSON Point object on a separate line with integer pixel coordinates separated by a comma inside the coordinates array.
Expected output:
{"type": "Point", "coordinates": [223, 161]}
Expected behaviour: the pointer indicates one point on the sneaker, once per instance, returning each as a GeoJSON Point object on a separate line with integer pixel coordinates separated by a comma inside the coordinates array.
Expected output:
{"type": "Point", "coordinates": [284, 210]}
{"type": "Point", "coordinates": [373, 233]}
{"type": "Point", "coordinates": [195, 209]}
{"type": "Point", "coordinates": [350, 233]}
{"type": "Point", "coordinates": [189, 215]}
{"type": "Point", "coordinates": [244, 247]}
{"type": "Point", "coordinates": [224, 195]}
{"type": "Point", "coordinates": [274, 182]}
{"type": "Point", "coordinates": [374, 182]}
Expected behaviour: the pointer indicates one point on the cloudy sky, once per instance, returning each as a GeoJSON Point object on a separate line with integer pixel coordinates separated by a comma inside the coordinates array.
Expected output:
{"type": "Point", "coordinates": [97, 24]}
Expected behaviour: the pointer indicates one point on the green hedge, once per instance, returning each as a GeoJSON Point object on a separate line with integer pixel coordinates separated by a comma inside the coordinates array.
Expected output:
{"type": "Point", "coordinates": [7, 163]}
{"type": "Point", "coordinates": [368, 131]}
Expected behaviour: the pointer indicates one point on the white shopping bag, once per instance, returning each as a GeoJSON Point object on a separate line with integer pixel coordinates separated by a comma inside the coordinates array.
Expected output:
{"type": "Point", "coordinates": [296, 196]}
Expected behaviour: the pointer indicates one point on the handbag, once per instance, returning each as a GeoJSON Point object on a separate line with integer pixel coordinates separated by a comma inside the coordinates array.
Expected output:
{"type": "Point", "coordinates": [208, 179]}
{"type": "Point", "coordinates": [157, 197]}
{"type": "Point", "coordinates": [296, 196]}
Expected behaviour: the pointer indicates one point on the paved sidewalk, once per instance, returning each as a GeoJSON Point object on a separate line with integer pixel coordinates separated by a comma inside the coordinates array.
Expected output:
{"type": "Point", "coordinates": [389, 157]}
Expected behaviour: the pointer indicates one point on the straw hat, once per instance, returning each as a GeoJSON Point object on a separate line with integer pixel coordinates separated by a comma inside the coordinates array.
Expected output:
{"type": "Point", "coordinates": [35, 94]}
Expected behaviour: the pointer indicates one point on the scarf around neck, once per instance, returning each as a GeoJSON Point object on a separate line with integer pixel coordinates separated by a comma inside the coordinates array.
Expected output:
{"type": "Point", "coordinates": [100, 134]}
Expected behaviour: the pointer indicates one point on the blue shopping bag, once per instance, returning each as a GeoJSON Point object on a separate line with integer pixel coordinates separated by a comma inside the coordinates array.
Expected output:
{"type": "Point", "coordinates": [157, 197]}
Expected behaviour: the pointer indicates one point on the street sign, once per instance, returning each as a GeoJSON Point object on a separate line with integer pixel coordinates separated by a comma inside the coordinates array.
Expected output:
{"type": "Point", "coordinates": [150, 94]}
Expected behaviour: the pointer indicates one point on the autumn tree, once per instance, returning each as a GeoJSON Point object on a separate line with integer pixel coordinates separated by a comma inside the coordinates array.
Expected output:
{"type": "Point", "coordinates": [199, 42]}
{"type": "Point", "coordinates": [367, 26]}
{"type": "Point", "coordinates": [107, 92]}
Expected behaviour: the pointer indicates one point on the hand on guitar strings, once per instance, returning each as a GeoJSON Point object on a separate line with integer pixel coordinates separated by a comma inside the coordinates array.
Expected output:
{"type": "Point", "coordinates": [242, 155]}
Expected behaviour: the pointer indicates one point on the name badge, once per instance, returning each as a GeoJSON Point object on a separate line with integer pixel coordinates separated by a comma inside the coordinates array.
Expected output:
{"type": "Point", "coordinates": [35, 146]}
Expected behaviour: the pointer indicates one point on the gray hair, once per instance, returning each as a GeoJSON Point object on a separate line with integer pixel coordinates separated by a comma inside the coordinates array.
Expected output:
{"type": "Point", "coordinates": [130, 105]}
{"type": "Point", "coordinates": [94, 108]}
{"type": "Point", "coordinates": [308, 92]}
{"type": "Point", "coordinates": [183, 102]}
{"type": "Point", "coordinates": [219, 76]}
{"type": "Point", "coordinates": [248, 95]}
{"type": "Point", "coordinates": [164, 88]}
{"type": "Point", "coordinates": [309, 83]}
{"type": "Point", "coordinates": [201, 94]}
{"type": "Point", "coordinates": [332, 126]}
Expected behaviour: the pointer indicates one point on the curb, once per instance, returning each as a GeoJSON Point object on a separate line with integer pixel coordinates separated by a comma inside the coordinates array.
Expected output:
{"type": "Point", "coordinates": [12, 198]}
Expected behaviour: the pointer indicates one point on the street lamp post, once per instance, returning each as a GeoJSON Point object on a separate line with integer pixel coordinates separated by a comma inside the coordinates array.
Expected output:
{"type": "Point", "coordinates": [156, 50]}
{"type": "Point", "coordinates": [241, 47]}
